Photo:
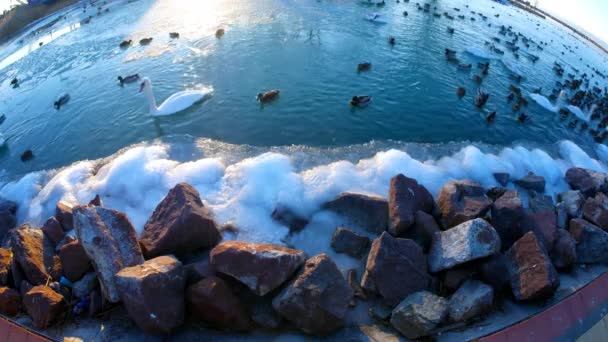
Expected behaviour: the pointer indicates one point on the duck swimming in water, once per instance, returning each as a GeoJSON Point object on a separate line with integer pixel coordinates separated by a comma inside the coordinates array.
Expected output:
{"type": "Point", "coordinates": [464, 66]}
{"type": "Point", "coordinates": [125, 44]}
{"type": "Point", "coordinates": [146, 41]}
{"type": "Point", "coordinates": [129, 79]}
{"type": "Point", "coordinates": [461, 92]}
{"type": "Point", "coordinates": [391, 41]}
{"type": "Point", "coordinates": [27, 156]}
{"type": "Point", "coordinates": [366, 66]}
{"type": "Point", "coordinates": [491, 117]}
{"type": "Point", "coordinates": [15, 82]}
{"type": "Point", "coordinates": [219, 33]}
{"type": "Point", "coordinates": [360, 101]}
{"type": "Point", "coordinates": [268, 96]}
{"type": "Point", "coordinates": [522, 117]}
{"type": "Point", "coordinates": [481, 98]}
{"type": "Point", "coordinates": [174, 35]}
{"type": "Point", "coordinates": [62, 101]}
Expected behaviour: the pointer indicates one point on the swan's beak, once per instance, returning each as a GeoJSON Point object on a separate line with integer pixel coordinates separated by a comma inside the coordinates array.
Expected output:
{"type": "Point", "coordinates": [141, 88]}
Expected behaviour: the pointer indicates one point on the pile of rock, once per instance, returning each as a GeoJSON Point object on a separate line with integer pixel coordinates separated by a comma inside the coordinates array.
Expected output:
{"type": "Point", "coordinates": [430, 263]}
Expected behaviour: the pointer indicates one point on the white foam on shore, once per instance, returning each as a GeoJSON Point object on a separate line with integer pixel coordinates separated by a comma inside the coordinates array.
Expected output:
{"type": "Point", "coordinates": [544, 102]}
{"type": "Point", "coordinates": [246, 191]}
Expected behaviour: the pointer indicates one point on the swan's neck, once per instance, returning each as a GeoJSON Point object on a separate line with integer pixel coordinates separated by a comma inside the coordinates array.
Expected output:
{"type": "Point", "coordinates": [151, 99]}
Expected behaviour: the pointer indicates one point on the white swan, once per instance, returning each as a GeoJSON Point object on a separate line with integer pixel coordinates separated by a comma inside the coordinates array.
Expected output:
{"type": "Point", "coordinates": [175, 103]}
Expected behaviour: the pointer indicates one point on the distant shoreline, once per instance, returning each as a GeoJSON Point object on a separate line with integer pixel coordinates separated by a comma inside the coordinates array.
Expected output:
{"type": "Point", "coordinates": [541, 13]}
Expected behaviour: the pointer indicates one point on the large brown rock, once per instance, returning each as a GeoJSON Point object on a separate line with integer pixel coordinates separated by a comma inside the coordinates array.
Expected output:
{"type": "Point", "coordinates": [10, 301]}
{"type": "Point", "coordinates": [468, 241]}
{"type": "Point", "coordinates": [541, 218]}
{"type": "Point", "coordinates": [63, 214]}
{"type": "Point", "coordinates": [262, 267]}
{"type": "Point", "coordinates": [180, 224]}
{"type": "Point", "coordinates": [405, 198]}
{"type": "Point", "coordinates": [316, 300]}
{"type": "Point", "coordinates": [348, 242]}
{"type": "Point", "coordinates": [530, 270]}
{"type": "Point", "coordinates": [462, 200]}
{"type": "Point", "coordinates": [595, 210]}
{"type": "Point", "coordinates": [211, 300]}
{"type": "Point", "coordinates": [563, 254]}
{"type": "Point", "coordinates": [419, 314]}
{"type": "Point", "coordinates": [44, 306]}
{"type": "Point", "coordinates": [367, 212]}
{"type": "Point", "coordinates": [395, 268]}
{"type": "Point", "coordinates": [507, 213]}
{"type": "Point", "coordinates": [153, 293]}
{"type": "Point", "coordinates": [532, 182]}
{"type": "Point", "coordinates": [35, 254]}
{"type": "Point", "coordinates": [586, 181]}
{"type": "Point", "coordinates": [110, 242]}
{"type": "Point", "coordinates": [6, 259]}
{"type": "Point", "coordinates": [53, 229]}
{"type": "Point", "coordinates": [8, 220]}
{"type": "Point", "coordinates": [591, 242]}
{"type": "Point", "coordinates": [423, 230]}
{"type": "Point", "coordinates": [74, 260]}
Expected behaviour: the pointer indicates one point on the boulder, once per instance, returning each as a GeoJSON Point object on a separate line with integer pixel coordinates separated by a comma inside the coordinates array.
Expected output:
{"type": "Point", "coordinates": [395, 269]}
{"type": "Point", "coordinates": [53, 229]}
{"type": "Point", "coordinates": [419, 314]}
{"type": "Point", "coordinates": [43, 305]}
{"type": "Point", "coordinates": [494, 193]}
{"type": "Point", "coordinates": [367, 212]}
{"type": "Point", "coordinates": [8, 220]}
{"type": "Point", "coordinates": [317, 299]}
{"type": "Point", "coordinates": [96, 201]}
{"type": "Point", "coordinates": [573, 201]}
{"type": "Point", "coordinates": [110, 242]}
{"type": "Point", "coordinates": [588, 182]}
{"type": "Point", "coordinates": [66, 239]}
{"type": "Point", "coordinates": [502, 178]}
{"type": "Point", "coordinates": [85, 285]}
{"type": "Point", "coordinates": [262, 267]}
{"type": "Point", "coordinates": [473, 299]}
{"type": "Point", "coordinates": [348, 242]}
{"type": "Point", "coordinates": [541, 219]}
{"type": "Point", "coordinates": [462, 200]}
{"type": "Point", "coordinates": [63, 214]}
{"type": "Point", "coordinates": [531, 272]}
{"type": "Point", "coordinates": [468, 241]}
{"type": "Point", "coordinates": [264, 315]}
{"type": "Point", "coordinates": [563, 254]}
{"type": "Point", "coordinates": [212, 301]}
{"type": "Point", "coordinates": [562, 215]}
{"type": "Point", "coordinates": [35, 254]}
{"type": "Point", "coordinates": [507, 213]}
{"type": "Point", "coordinates": [289, 218]}
{"type": "Point", "coordinates": [198, 270]}
{"type": "Point", "coordinates": [591, 242]}
{"type": "Point", "coordinates": [153, 294]}
{"type": "Point", "coordinates": [180, 224]}
{"type": "Point", "coordinates": [532, 182]}
{"type": "Point", "coordinates": [494, 272]}
{"type": "Point", "coordinates": [6, 259]}
{"type": "Point", "coordinates": [595, 210]}
{"type": "Point", "coordinates": [455, 277]}
{"type": "Point", "coordinates": [10, 301]}
{"type": "Point", "coordinates": [405, 198]}
{"type": "Point", "coordinates": [74, 260]}
{"type": "Point", "coordinates": [423, 230]}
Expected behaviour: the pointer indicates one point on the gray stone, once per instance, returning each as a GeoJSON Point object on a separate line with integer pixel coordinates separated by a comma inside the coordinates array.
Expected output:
{"type": "Point", "coordinates": [573, 201]}
{"type": "Point", "coordinates": [85, 286]}
{"type": "Point", "coordinates": [468, 241]}
{"type": "Point", "coordinates": [419, 314]}
{"type": "Point", "coordinates": [591, 242]}
{"type": "Point", "coordinates": [563, 254]}
{"type": "Point", "coordinates": [471, 300]}
{"type": "Point", "coordinates": [367, 212]}
{"type": "Point", "coordinates": [532, 182]}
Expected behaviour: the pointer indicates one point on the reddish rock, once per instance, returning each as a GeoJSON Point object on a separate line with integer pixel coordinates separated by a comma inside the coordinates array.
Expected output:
{"type": "Point", "coordinates": [10, 301]}
{"type": "Point", "coordinates": [63, 214]}
{"type": "Point", "coordinates": [507, 213]}
{"type": "Point", "coordinates": [367, 212]}
{"type": "Point", "coordinates": [35, 254]}
{"type": "Point", "coordinates": [153, 294]}
{"type": "Point", "coordinates": [43, 305]}
{"type": "Point", "coordinates": [405, 198]}
{"type": "Point", "coordinates": [110, 242]}
{"type": "Point", "coordinates": [532, 182]}
{"type": "Point", "coordinates": [6, 259]}
{"type": "Point", "coordinates": [180, 224]}
{"type": "Point", "coordinates": [211, 300]}
{"type": "Point", "coordinates": [395, 268]}
{"type": "Point", "coordinates": [541, 218]}
{"type": "Point", "coordinates": [66, 239]}
{"type": "Point", "coordinates": [595, 210]}
{"type": "Point", "coordinates": [74, 260]}
{"type": "Point", "coordinates": [530, 270]}
{"type": "Point", "coordinates": [588, 182]}
{"type": "Point", "coordinates": [563, 254]}
{"type": "Point", "coordinates": [348, 242]}
{"type": "Point", "coordinates": [423, 230]}
{"type": "Point", "coordinates": [96, 201]}
{"type": "Point", "coordinates": [198, 270]}
{"type": "Point", "coordinates": [462, 200]}
{"type": "Point", "coordinates": [591, 242]}
{"type": "Point", "coordinates": [53, 229]}
{"type": "Point", "coordinates": [262, 267]}
{"type": "Point", "coordinates": [317, 299]}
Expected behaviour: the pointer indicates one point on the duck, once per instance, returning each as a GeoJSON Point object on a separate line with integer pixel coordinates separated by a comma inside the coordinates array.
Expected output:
{"type": "Point", "coordinates": [478, 79]}
{"type": "Point", "coordinates": [15, 83]}
{"type": "Point", "coordinates": [65, 98]}
{"type": "Point", "coordinates": [481, 98]}
{"type": "Point", "coordinates": [175, 103]}
{"type": "Point", "coordinates": [219, 33]}
{"type": "Point", "coordinates": [391, 41]}
{"type": "Point", "coordinates": [128, 79]}
{"type": "Point", "coordinates": [522, 117]}
{"type": "Point", "coordinates": [126, 43]}
{"type": "Point", "coordinates": [2, 119]}
{"type": "Point", "coordinates": [405, 14]}
{"type": "Point", "coordinates": [361, 101]}
{"type": "Point", "coordinates": [174, 35]}
{"type": "Point", "coordinates": [146, 41]}
{"type": "Point", "coordinates": [450, 30]}
{"type": "Point", "coordinates": [268, 96]}
{"type": "Point", "coordinates": [27, 156]}
{"type": "Point", "coordinates": [364, 66]}
{"type": "Point", "coordinates": [449, 52]}
{"type": "Point", "coordinates": [461, 92]}
{"type": "Point", "coordinates": [465, 66]}
{"type": "Point", "coordinates": [510, 97]}
{"type": "Point", "coordinates": [491, 117]}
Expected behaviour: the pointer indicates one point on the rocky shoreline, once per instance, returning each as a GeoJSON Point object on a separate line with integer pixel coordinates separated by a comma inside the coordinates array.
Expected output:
{"type": "Point", "coordinates": [429, 265]}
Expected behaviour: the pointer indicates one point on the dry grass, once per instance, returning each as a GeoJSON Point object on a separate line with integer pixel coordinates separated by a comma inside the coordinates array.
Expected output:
{"type": "Point", "coordinates": [19, 17]}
